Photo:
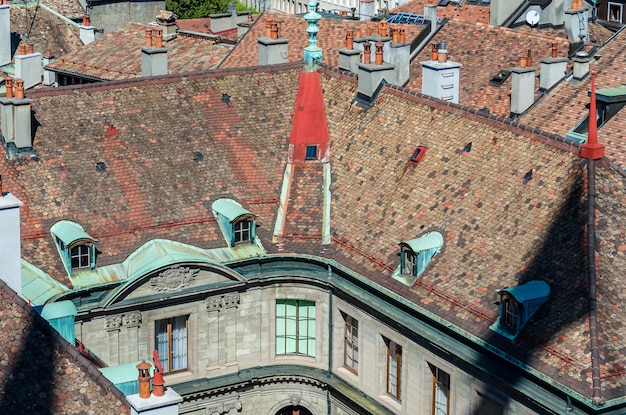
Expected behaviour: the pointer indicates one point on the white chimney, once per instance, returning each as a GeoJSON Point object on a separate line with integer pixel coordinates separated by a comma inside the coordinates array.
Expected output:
{"type": "Point", "coordinates": [367, 9]}
{"type": "Point", "coordinates": [372, 72]}
{"type": "Point", "coordinates": [87, 31]}
{"type": "Point", "coordinates": [5, 34]}
{"type": "Point", "coordinates": [272, 48]}
{"type": "Point", "coordinates": [28, 65]}
{"type": "Point", "coordinates": [581, 65]}
{"type": "Point", "coordinates": [577, 22]}
{"type": "Point", "coordinates": [400, 55]}
{"type": "Point", "coordinates": [153, 55]}
{"type": "Point", "coordinates": [49, 77]}
{"type": "Point", "coordinates": [10, 249]}
{"type": "Point", "coordinates": [522, 86]}
{"type": "Point", "coordinates": [440, 76]}
{"type": "Point", "coordinates": [430, 14]}
{"type": "Point", "coordinates": [349, 56]}
{"type": "Point", "coordinates": [167, 22]}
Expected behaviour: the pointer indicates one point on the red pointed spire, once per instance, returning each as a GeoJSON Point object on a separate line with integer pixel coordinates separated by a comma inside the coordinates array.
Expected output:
{"type": "Point", "coordinates": [592, 149]}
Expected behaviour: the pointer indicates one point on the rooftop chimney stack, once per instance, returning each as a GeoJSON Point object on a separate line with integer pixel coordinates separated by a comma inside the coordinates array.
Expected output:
{"type": "Point", "coordinates": [5, 34]}
{"type": "Point", "coordinates": [371, 76]}
{"type": "Point", "coordinates": [10, 249]}
{"type": "Point", "coordinates": [523, 86]}
{"type": "Point", "coordinates": [367, 10]}
{"type": "Point", "coordinates": [272, 48]}
{"type": "Point", "coordinates": [430, 14]}
{"type": "Point", "coordinates": [577, 21]}
{"type": "Point", "coordinates": [87, 31]}
{"type": "Point", "coordinates": [400, 56]}
{"type": "Point", "coordinates": [167, 22]}
{"type": "Point", "coordinates": [349, 56]}
{"type": "Point", "coordinates": [581, 65]}
{"type": "Point", "coordinates": [441, 76]}
{"type": "Point", "coordinates": [154, 57]}
{"type": "Point", "coordinates": [552, 69]}
{"type": "Point", "coordinates": [162, 401]}
{"type": "Point", "coordinates": [28, 65]}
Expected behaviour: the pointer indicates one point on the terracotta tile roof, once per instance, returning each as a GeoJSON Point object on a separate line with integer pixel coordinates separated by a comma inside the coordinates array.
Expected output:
{"type": "Point", "coordinates": [204, 26]}
{"type": "Point", "coordinates": [566, 105]}
{"type": "Point", "coordinates": [45, 29]}
{"type": "Point", "coordinates": [500, 230]}
{"type": "Point", "coordinates": [467, 13]}
{"type": "Point", "coordinates": [68, 8]}
{"type": "Point", "coordinates": [483, 51]}
{"type": "Point", "coordinates": [117, 55]}
{"type": "Point", "coordinates": [331, 38]}
{"type": "Point", "coordinates": [41, 373]}
{"type": "Point", "coordinates": [304, 211]}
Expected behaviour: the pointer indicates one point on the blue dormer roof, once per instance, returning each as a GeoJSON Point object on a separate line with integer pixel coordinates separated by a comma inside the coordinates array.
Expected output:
{"type": "Point", "coordinates": [518, 305]}
{"type": "Point", "coordinates": [69, 232]}
{"type": "Point", "coordinates": [237, 223]}
{"type": "Point", "coordinates": [430, 240]}
{"type": "Point", "coordinates": [229, 209]}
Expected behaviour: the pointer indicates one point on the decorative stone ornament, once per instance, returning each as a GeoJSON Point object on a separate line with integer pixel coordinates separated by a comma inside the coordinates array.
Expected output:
{"type": "Point", "coordinates": [173, 279]}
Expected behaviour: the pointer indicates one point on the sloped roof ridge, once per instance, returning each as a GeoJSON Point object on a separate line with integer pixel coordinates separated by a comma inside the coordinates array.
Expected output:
{"type": "Point", "coordinates": [526, 33]}
{"type": "Point", "coordinates": [225, 58]}
{"type": "Point", "coordinates": [64, 346]}
{"type": "Point", "coordinates": [163, 79]}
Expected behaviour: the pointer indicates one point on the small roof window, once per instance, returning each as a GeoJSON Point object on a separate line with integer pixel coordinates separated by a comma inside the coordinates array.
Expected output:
{"type": "Point", "coordinates": [237, 223]}
{"type": "Point", "coordinates": [415, 256]}
{"type": "Point", "coordinates": [418, 155]}
{"type": "Point", "coordinates": [76, 247]}
{"type": "Point", "coordinates": [518, 305]}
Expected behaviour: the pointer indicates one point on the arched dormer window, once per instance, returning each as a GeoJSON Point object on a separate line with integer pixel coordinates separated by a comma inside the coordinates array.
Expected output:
{"type": "Point", "coordinates": [518, 305]}
{"type": "Point", "coordinates": [237, 223]}
{"type": "Point", "coordinates": [416, 254]}
{"type": "Point", "coordinates": [76, 247]}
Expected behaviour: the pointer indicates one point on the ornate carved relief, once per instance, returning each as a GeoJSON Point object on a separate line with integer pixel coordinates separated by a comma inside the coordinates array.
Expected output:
{"type": "Point", "coordinates": [225, 408]}
{"type": "Point", "coordinates": [173, 279]}
{"type": "Point", "coordinates": [294, 399]}
{"type": "Point", "coordinates": [225, 301]}
{"type": "Point", "coordinates": [132, 319]}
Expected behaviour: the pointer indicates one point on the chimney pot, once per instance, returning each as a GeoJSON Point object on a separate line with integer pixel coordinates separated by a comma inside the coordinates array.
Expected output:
{"type": "Point", "coordinates": [554, 50]}
{"type": "Point", "coordinates": [22, 48]}
{"type": "Point", "coordinates": [144, 379]}
{"type": "Point", "coordinates": [86, 20]}
{"type": "Point", "coordinates": [268, 27]}
{"type": "Point", "coordinates": [157, 33]}
{"type": "Point", "coordinates": [522, 61]}
{"type": "Point", "coordinates": [31, 47]}
{"type": "Point", "coordinates": [379, 53]}
{"type": "Point", "coordinates": [394, 34]}
{"type": "Point", "coordinates": [19, 88]}
{"type": "Point", "coordinates": [383, 28]}
{"type": "Point", "coordinates": [368, 30]}
{"type": "Point", "coordinates": [350, 39]}
{"type": "Point", "coordinates": [529, 59]}
{"type": "Point", "coordinates": [367, 51]}
{"type": "Point", "coordinates": [9, 86]}
{"type": "Point", "coordinates": [402, 35]}
{"type": "Point", "coordinates": [250, 17]}
{"type": "Point", "coordinates": [274, 31]}
{"type": "Point", "coordinates": [377, 30]}
{"type": "Point", "coordinates": [148, 36]}
{"type": "Point", "coordinates": [357, 33]}
{"type": "Point", "coordinates": [434, 48]}
{"type": "Point", "coordinates": [1, 192]}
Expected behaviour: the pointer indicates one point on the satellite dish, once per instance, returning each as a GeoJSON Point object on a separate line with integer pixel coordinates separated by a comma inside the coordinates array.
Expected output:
{"type": "Point", "coordinates": [532, 17]}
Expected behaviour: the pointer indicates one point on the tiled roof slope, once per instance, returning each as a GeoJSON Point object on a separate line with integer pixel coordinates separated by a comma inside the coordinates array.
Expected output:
{"type": "Point", "coordinates": [68, 8]}
{"type": "Point", "coordinates": [566, 105]}
{"type": "Point", "coordinates": [117, 55]}
{"type": "Point", "coordinates": [483, 51]}
{"type": "Point", "coordinates": [500, 229]}
{"type": "Point", "coordinates": [331, 38]}
{"type": "Point", "coordinates": [170, 149]}
{"type": "Point", "coordinates": [40, 373]}
{"type": "Point", "coordinates": [466, 13]}
{"type": "Point", "coordinates": [45, 29]}
{"type": "Point", "coordinates": [611, 234]}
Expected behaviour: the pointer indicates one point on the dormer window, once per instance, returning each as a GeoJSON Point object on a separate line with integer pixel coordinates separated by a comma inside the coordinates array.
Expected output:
{"type": "Point", "coordinates": [76, 247]}
{"type": "Point", "coordinates": [609, 102]}
{"type": "Point", "coordinates": [311, 152]}
{"type": "Point", "coordinates": [518, 305]}
{"type": "Point", "coordinates": [416, 254]}
{"type": "Point", "coordinates": [237, 223]}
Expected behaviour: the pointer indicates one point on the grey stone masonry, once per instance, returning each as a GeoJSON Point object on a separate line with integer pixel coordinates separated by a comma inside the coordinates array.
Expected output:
{"type": "Point", "coordinates": [551, 71]}
{"type": "Point", "coordinates": [400, 58]}
{"type": "Point", "coordinates": [441, 80]}
{"type": "Point", "coordinates": [28, 68]}
{"type": "Point", "coordinates": [349, 59]}
{"type": "Point", "coordinates": [371, 75]}
{"type": "Point", "coordinates": [522, 89]}
{"type": "Point", "coordinates": [5, 35]}
{"type": "Point", "coordinates": [153, 61]}
{"type": "Point", "coordinates": [581, 67]}
{"type": "Point", "coordinates": [273, 51]}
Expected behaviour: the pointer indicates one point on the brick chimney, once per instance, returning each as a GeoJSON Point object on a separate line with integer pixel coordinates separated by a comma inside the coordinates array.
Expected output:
{"type": "Point", "coordinates": [87, 31]}
{"type": "Point", "coordinates": [441, 77]}
{"type": "Point", "coordinates": [10, 249]}
{"type": "Point", "coordinates": [522, 86]}
{"type": "Point", "coordinates": [5, 34]}
{"type": "Point", "coordinates": [28, 65]}
{"type": "Point", "coordinates": [16, 120]}
{"type": "Point", "coordinates": [49, 77]}
{"type": "Point", "coordinates": [153, 54]}
{"type": "Point", "coordinates": [163, 401]}
{"type": "Point", "coordinates": [552, 69]}
{"type": "Point", "coordinates": [272, 48]}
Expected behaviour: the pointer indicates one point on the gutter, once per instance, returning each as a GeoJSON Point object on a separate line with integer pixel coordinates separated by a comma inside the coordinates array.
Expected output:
{"type": "Point", "coordinates": [591, 276]}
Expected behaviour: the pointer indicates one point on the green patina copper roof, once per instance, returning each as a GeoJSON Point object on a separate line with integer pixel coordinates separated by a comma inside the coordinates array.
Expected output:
{"type": "Point", "coordinates": [123, 373]}
{"type": "Point", "coordinates": [58, 310]}
{"type": "Point", "coordinates": [430, 240]}
{"type": "Point", "coordinates": [530, 291]}
{"type": "Point", "coordinates": [37, 286]}
{"type": "Point", "coordinates": [159, 253]}
{"type": "Point", "coordinates": [612, 94]}
{"type": "Point", "coordinates": [68, 232]}
{"type": "Point", "coordinates": [230, 209]}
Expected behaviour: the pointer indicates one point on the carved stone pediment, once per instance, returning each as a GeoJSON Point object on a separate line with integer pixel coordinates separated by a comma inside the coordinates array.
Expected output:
{"type": "Point", "coordinates": [173, 279]}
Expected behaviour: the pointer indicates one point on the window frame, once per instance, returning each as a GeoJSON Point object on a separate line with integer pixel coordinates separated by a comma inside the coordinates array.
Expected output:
{"type": "Point", "coordinates": [302, 330]}
{"type": "Point", "coordinates": [408, 259]}
{"type": "Point", "coordinates": [168, 362]}
{"type": "Point", "coordinates": [620, 9]}
{"type": "Point", "coordinates": [440, 378]}
{"type": "Point", "coordinates": [510, 313]}
{"type": "Point", "coordinates": [310, 152]}
{"type": "Point", "coordinates": [351, 343]}
{"type": "Point", "coordinates": [239, 232]}
{"type": "Point", "coordinates": [393, 371]}
{"type": "Point", "coordinates": [75, 253]}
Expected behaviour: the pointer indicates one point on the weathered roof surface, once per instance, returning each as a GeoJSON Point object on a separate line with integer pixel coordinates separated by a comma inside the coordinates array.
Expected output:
{"type": "Point", "coordinates": [483, 51]}
{"type": "Point", "coordinates": [331, 38]}
{"type": "Point", "coordinates": [68, 8]}
{"type": "Point", "coordinates": [566, 105]}
{"type": "Point", "coordinates": [500, 228]}
{"type": "Point", "coordinates": [117, 55]}
{"type": "Point", "coordinates": [466, 12]}
{"type": "Point", "coordinates": [45, 29]}
{"type": "Point", "coordinates": [42, 373]}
